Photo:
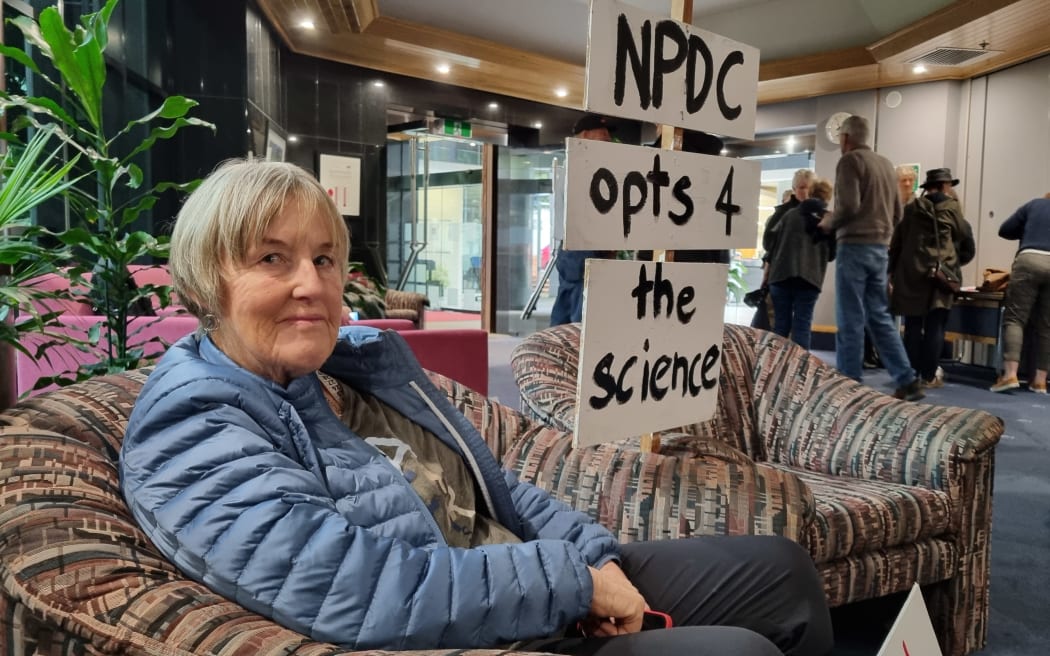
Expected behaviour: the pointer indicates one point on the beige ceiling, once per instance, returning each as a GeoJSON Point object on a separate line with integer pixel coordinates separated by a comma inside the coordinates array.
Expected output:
{"type": "Point", "coordinates": [527, 49]}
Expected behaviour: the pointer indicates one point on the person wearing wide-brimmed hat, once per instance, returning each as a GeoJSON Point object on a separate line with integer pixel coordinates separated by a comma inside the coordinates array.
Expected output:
{"type": "Point", "coordinates": [932, 233]}
{"type": "Point", "coordinates": [1029, 292]}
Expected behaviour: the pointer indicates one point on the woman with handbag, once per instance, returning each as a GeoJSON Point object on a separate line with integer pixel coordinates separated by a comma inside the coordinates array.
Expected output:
{"type": "Point", "coordinates": [929, 247]}
{"type": "Point", "coordinates": [1029, 291]}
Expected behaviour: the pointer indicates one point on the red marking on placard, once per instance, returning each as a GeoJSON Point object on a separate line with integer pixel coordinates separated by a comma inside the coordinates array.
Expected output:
{"type": "Point", "coordinates": [905, 645]}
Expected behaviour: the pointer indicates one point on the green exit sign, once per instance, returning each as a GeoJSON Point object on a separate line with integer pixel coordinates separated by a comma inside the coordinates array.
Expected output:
{"type": "Point", "coordinates": [456, 128]}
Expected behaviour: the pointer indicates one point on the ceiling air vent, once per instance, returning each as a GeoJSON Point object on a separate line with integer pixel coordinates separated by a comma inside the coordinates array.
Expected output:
{"type": "Point", "coordinates": [951, 56]}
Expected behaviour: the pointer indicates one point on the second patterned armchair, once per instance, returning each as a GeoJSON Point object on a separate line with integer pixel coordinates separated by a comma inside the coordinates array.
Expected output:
{"type": "Point", "coordinates": [894, 492]}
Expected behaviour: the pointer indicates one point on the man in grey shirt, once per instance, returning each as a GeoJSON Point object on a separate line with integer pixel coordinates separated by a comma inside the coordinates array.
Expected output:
{"type": "Point", "coordinates": [867, 208]}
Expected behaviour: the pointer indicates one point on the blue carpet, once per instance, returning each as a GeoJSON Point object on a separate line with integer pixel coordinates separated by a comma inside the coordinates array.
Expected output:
{"type": "Point", "coordinates": [1020, 584]}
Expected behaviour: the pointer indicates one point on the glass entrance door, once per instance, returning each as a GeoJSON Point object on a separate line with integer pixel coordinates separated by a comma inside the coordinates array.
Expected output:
{"type": "Point", "coordinates": [434, 221]}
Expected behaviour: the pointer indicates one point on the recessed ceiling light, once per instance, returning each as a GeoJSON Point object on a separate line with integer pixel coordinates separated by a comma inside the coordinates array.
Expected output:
{"type": "Point", "coordinates": [379, 83]}
{"type": "Point", "coordinates": [493, 105]}
{"type": "Point", "coordinates": [443, 69]}
{"type": "Point", "coordinates": [724, 151]}
{"type": "Point", "coordinates": [537, 125]}
{"type": "Point", "coordinates": [919, 68]}
{"type": "Point", "coordinates": [307, 25]}
{"type": "Point", "coordinates": [561, 92]}
{"type": "Point", "coordinates": [293, 138]}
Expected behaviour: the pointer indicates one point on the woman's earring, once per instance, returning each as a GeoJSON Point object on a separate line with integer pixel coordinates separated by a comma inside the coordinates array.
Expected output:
{"type": "Point", "coordinates": [209, 323]}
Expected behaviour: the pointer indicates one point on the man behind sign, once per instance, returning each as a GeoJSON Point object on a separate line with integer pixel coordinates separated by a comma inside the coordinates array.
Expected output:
{"type": "Point", "coordinates": [568, 304]}
{"type": "Point", "coordinates": [867, 207]}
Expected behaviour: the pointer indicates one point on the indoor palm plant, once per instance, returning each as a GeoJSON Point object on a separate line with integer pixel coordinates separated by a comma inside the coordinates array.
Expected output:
{"type": "Point", "coordinates": [104, 240]}
{"type": "Point", "coordinates": [29, 175]}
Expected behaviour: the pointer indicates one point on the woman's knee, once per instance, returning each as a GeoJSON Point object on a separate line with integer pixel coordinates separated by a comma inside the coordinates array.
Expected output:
{"type": "Point", "coordinates": [789, 555]}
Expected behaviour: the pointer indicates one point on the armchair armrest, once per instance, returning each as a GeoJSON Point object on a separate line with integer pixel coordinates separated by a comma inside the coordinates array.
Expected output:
{"type": "Point", "coordinates": [814, 418]}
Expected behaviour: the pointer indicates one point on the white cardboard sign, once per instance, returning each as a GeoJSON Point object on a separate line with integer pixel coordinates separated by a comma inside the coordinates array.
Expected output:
{"type": "Point", "coordinates": [651, 348]}
{"type": "Point", "coordinates": [636, 197]}
{"type": "Point", "coordinates": [912, 633]}
{"type": "Point", "coordinates": [652, 68]}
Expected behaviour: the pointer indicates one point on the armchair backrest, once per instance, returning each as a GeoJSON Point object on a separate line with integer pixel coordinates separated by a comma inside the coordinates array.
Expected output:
{"type": "Point", "coordinates": [546, 363]}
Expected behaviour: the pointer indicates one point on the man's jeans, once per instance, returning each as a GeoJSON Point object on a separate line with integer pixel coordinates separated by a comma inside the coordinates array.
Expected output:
{"type": "Point", "coordinates": [793, 303]}
{"type": "Point", "coordinates": [860, 294]}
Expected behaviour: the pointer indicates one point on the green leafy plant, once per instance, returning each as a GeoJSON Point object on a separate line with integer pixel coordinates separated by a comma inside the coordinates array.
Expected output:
{"type": "Point", "coordinates": [104, 238]}
{"type": "Point", "coordinates": [363, 293]}
{"type": "Point", "coordinates": [30, 176]}
{"type": "Point", "coordinates": [735, 286]}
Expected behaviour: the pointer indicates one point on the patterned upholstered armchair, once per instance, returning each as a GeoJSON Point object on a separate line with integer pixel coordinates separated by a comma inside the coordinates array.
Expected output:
{"type": "Point", "coordinates": [406, 305]}
{"type": "Point", "coordinates": [78, 576]}
{"type": "Point", "coordinates": [902, 491]}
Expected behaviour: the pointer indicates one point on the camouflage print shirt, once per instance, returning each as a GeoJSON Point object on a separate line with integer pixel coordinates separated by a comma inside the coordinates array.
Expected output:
{"type": "Point", "coordinates": [437, 474]}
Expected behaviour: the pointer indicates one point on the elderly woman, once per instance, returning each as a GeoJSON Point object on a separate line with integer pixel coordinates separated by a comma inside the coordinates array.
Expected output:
{"type": "Point", "coordinates": [391, 526]}
{"type": "Point", "coordinates": [765, 317]}
{"type": "Point", "coordinates": [932, 232]}
{"type": "Point", "coordinates": [798, 258]}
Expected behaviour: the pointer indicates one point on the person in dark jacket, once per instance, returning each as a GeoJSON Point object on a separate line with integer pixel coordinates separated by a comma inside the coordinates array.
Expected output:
{"type": "Point", "coordinates": [392, 526]}
{"type": "Point", "coordinates": [1029, 291]}
{"type": "Point", "coordinates": [799, 253]}
{"type": "Point", "coordinates": [764, 315]}
{"type": "Point", "coordinates": [932, 232]}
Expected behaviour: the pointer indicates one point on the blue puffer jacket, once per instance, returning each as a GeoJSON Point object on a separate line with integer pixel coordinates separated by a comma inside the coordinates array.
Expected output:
{"type": "Point", "coordinates": [261, 493]}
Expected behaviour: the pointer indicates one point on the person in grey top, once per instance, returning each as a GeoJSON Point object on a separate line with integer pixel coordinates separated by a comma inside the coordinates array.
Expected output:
{"type": "Point", "coordinates": [867, 208]}
{"type": "Point", "coordinates": [1028, 293]}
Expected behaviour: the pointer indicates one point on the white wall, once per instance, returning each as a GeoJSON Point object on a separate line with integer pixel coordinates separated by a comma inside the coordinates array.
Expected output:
{"type": "Point", "coordinates": [1016, 153]}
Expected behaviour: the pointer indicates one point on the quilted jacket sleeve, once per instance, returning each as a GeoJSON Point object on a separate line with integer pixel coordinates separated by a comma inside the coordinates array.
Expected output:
{"type": "Point", "coordinates": [547, 518]}
{"type": "Point", "coordinates": [218, 497]}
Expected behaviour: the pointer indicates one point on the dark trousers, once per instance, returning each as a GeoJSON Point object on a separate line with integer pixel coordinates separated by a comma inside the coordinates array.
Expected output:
{"type": "Point", "coordinates": [924, 340]}
{"type": "Point", "coordinates": [793, 303]}
{"type": "Point", "coordinates": [745, 596]}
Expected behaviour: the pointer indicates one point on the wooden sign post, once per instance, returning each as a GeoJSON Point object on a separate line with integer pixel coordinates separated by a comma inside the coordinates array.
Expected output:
{"type": "Point", "coordinates": [650, 350]}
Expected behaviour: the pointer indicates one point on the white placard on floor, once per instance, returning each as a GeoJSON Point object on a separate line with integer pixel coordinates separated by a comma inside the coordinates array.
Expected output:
{"type": "Point", "coordinates": [912, 633]}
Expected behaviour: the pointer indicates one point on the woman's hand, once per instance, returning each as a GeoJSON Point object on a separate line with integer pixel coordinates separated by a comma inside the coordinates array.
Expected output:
{"type": "Point", "coordinates": [617, 606]}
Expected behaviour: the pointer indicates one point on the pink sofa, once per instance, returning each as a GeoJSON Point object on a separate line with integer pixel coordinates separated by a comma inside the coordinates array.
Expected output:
{"type": "Point", "coordinates": [461, 355]}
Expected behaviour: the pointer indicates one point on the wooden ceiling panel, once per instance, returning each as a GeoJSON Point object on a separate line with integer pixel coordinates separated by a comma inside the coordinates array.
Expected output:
{"type": "Point", "coordinates": [356, 34]}
{"type": "Point", "coordinates": [415, 50]}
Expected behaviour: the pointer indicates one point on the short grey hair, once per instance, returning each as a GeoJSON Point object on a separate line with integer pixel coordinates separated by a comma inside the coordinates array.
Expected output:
{"type": "Point", "coordinates": [802, 178]}
{"type": "Point", "coordinates": [229, 213]}
{"type": "Point", "coordinates": [856, 129]}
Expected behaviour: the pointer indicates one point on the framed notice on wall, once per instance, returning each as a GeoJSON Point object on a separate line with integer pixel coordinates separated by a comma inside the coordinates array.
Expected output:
{"type": "Point", "coordinates": [341, 178]}
{"type": "Point", "coordinates": [275, 145]}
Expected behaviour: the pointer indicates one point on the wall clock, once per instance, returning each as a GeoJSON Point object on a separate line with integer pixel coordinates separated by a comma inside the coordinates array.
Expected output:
{"type": "Point", "coordinates": [834, 122]}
